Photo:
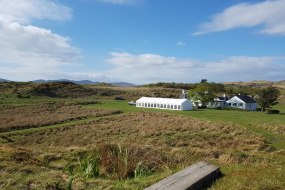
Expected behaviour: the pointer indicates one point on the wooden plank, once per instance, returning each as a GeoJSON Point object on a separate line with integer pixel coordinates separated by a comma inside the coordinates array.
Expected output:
{"type": "Point", "coordinates": [193, 177]}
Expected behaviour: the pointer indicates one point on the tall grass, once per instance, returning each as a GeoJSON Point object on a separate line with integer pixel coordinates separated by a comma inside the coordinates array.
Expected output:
{"type": "Point", "coordinates": [89, 167]}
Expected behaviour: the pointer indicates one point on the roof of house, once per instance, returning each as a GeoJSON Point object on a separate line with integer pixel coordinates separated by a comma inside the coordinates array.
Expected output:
{"type": "Point", "coordinates": [223, 98]}
{"type": "Point", "coordinates": [162, 100]}
{"type": "Point", "coordinates": [246, 98]}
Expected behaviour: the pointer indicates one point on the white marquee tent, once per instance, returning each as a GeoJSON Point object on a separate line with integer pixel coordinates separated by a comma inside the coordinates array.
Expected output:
{"type": "Point", "coordinates": [164, 103]}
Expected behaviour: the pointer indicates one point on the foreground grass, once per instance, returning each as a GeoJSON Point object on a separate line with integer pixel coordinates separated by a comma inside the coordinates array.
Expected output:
{"type": "Point", "coordinates": [164, 141]}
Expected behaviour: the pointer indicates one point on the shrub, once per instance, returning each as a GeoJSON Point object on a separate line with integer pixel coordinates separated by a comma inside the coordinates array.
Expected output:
{"type": "Point", "coordinates": [127, 162]}
{"type": "Point", "coordinates": [269, 111]}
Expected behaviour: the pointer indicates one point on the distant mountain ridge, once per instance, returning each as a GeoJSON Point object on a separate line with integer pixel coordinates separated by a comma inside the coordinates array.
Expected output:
{"type": "Point", "coordinates": [4, 80]}
{"type": "Point", "coordinates": [66, 80]}
{"type": "Point", "coordinates": [84, 82]}
{"type": "Point", "coordinates": [280, 83]}
{"type": "Point", "coordinates": [264, 82]}
{"type": "Point", "coordinates": [122, 84]}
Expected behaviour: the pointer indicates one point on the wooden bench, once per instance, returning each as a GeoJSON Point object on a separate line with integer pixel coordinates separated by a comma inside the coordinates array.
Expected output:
{"type": "Point", "coordinates": [193, 177]}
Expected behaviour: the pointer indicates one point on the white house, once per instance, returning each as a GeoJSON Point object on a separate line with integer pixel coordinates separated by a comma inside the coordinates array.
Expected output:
{"type": "Point", "coordinates": [220, 101]}
{"type": "Point", "coordinates": [242, 102]}
{"type": "Point", "coordinates": [164, 103]}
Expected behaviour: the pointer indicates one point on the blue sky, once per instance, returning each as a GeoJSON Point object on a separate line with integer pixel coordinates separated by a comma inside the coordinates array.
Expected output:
{"type": "Point", "coordinates": [142, 41]}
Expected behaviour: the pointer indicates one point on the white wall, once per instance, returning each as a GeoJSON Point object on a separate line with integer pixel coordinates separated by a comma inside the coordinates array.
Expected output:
{"type": "Point", "coordinates": [239, 104]}
{"type": "Point", "coordinates": [185, 105]}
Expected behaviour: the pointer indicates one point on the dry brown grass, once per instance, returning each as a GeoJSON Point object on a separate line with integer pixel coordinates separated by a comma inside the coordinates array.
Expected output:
{"type": "Point", "coordinates": [278, 130]}
{"type": "Point", "coordinates": [31, 116]}
{"type": "Point", "coordinates": [158, 141]}
{"type": "Point", "coordinates": [152, 129]}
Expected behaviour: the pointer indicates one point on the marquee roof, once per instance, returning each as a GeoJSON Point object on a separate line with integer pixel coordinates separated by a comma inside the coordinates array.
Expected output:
{"type": "Point", "coordinates": [162, 100]}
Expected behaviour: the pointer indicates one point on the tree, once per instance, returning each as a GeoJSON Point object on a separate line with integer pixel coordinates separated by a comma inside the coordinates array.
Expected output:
{"type": "Point", "coordinates": [202, 94]}
{"type": "Point", "coordinates": [203, 81]}
{"type": "Point", "coordinates": [268, 97]}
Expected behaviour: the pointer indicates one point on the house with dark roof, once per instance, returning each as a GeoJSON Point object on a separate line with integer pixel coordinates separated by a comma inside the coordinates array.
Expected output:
{"type": "Point", "coordinates": [219, 102]}
{"type": "Point", "coordinates": [242, 102]}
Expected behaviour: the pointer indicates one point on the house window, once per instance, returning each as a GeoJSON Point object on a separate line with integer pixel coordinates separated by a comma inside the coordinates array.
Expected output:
{"type": "Point", "coordinates": [171, 107]}
{"type": "Point", "coordinates": [234, 104]}
{"type": "Point", "coordinates": [164, 105]}
{"type": "Point", "coordinates": [175, 107]}
{"type": "Point", "coordinates": [148, 105]}
{"type": "Point", "coordinates": [161, 105]}
{"type": "Point", "coordinates": [240, 104]}
{"type": "Point", "coordinates": [168, 106]}
{"type": "Point", "coordinates": [179, 107]}
{"type": "Point", "coordinates": [155, 105]}
{"type": "Point", "coordinates": [229, 104]}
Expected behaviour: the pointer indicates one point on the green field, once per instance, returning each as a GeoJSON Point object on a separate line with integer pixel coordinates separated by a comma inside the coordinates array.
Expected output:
{"type": "Point", "coordinates": [49, 143]}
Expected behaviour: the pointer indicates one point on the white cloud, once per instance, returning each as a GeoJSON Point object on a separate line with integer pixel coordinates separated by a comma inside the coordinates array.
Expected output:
{"type": "Point", "coordinates": [181, 43]}
{"type": "Point", "coordinates": [121, 2]}
{"type": "Point", "coordinates": [24, 11]}
{"type": "Point", "coordinates": [269, 14]}
{"type": "Point", "coordinates": [27, 50]}
{"type": "Point", "coordinates": [147, 68]}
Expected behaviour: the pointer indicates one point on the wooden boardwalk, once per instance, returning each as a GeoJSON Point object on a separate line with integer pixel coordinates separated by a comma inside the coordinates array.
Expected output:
{"type": "Point", "coordinates": [194, 177]}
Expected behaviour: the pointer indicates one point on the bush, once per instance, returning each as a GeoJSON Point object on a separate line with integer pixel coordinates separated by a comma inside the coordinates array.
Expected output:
{"type": "Point", "coordinates": [269, 111]}
{"type": "Point", "coordinates": [119, 98]}
{"type": "Point", "coordinates": [235, 109]}
{"type": "Point", "coordinates": [218, 108]}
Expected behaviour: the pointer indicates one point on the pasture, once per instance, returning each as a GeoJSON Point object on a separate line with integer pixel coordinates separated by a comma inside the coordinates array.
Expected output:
{"type": "Point", "coordinates": [99, 143]}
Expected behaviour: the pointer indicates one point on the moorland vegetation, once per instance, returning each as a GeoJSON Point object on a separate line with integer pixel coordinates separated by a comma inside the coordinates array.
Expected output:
{"type": "Point", "coordinates": [69, 136]}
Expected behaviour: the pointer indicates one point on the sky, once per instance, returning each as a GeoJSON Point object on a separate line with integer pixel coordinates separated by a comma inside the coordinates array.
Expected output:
{"type": "Point", "coordinates": [142, 41]}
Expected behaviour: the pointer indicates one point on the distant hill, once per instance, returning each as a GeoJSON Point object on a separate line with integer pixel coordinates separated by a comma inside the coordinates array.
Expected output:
{"type": "Point", "coordinates": [84, 82]}
{"type": "Point", "coordinates": [280, 82]}
{"type": "Point", "coordinates": [60, 89]}
{"type": "Point", "coordinates": [122, 84]}
{"type": "Point", "coordinates": [259, 83]}
{"type": "Point", "coordinates": [66, 80]}
{"type": "Point", "coordinates": [4, 80]}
